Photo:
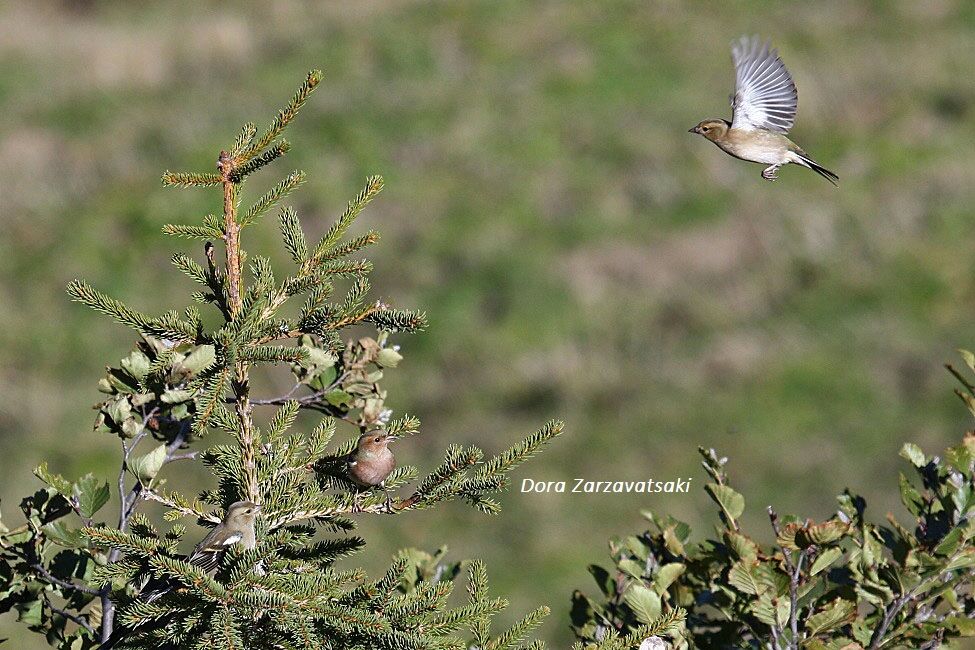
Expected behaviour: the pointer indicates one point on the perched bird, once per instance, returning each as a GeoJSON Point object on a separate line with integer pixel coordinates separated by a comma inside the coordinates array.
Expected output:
{"type": "Point", "coordinates": [237, 527]}
{"type": "Point", "coordinates": [371, 461]}
{"type": "Point", "coordinates": [764, 109]}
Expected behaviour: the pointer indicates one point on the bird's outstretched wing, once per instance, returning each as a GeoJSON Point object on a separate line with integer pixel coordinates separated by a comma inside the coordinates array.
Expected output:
{"type": "Point", "coordinates": [765, 95]}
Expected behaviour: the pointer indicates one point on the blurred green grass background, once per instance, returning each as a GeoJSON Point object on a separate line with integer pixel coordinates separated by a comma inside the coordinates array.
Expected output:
{"type": "Point", "coordinates": [579, 253]}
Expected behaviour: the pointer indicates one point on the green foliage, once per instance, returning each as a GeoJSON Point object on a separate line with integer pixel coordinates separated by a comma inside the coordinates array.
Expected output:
{"type": "Point", "coordinates": [845, 582]}
{"type": "Point", "coordinates": [76, 583]}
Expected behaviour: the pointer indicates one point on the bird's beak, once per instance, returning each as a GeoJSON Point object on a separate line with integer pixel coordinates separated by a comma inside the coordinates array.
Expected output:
{"type": "Point", "coordinates": [695, 129]}
{"type": "Point", "coordinates": [258, 508]}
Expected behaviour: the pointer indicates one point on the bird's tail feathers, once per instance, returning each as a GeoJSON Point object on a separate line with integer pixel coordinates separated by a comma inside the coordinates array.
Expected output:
{"type": "Point", "coordinates": [806, 161]}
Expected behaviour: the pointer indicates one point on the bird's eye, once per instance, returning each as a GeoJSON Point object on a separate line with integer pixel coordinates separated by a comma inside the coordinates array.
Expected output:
{"type": "Point", "coordinates": [705, 128]}
{"type": "Point", "coordinates": [376, 439]}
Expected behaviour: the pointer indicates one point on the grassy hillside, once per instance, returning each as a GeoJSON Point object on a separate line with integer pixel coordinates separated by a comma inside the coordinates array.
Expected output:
{"type": "Point", "coordinates": [580, 254]}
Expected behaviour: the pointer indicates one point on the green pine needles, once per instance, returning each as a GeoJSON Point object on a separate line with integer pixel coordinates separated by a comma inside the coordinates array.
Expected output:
{"type": "Point", "coordinates": [185, 393]}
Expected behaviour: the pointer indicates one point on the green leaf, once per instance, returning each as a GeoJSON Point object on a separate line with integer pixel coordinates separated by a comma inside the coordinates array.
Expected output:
{"type": "Point", "coordinates": [771, 613]}
{"type": "Point", "coordinates": [147, 466]}
{"type": "Point", "coordinates": [90, 494]}
{"type": "Point", "coordinates": [339, 398]}
{"type": "Point", "coordinates": [637, 547]}
{"type": "Point", "coordinates": [119, 410]}
{"type": "Point", "coordinates": [177, 395]}
{"type": "Point", "coordinates": [968, 358]}
{"type": "Point", "coordinates": [136, 364]}
{"type": "Point", "coordinates": [30, 613]}
{"type": "Point", "coordinates": [825, 559]}
{"type": "Point", "coordinates": [631, 568]}
{"type": "Point", "coordinates": [964, 560]}
{"type": "Point", "coordinates": [730, 501]}
{"type": "Point", "coordinates": [131, 427]}
{"type": "Point", "coordinates": [910, 497]}
{"type": "Point", "coordinates": [963, 625]}
{"type": "Point", "coordinates": [949, 543]}
{"type": "Point", "coordinates": [56, 481]}
{"type": "Point", "coordinates": [839, 613]}
{"type": "Point", "coordinates": [913, 453]}
{"type": "Point", "coordinates": [744, 576]}
{"type": "Point", "coordinates": [672, 542]}
{"type": "Point", "coordinates": [666, 576]}
{"type": "Point", "coordinates": [201, 358]}
{"type": "Point", "coordinates": [61, 534]}
{"type": "Point", "coordinates": [960, 457]}
{"type": "Point", "coordinates": [388, 358]}
{"type": "Point", "coordinates": [644, 602]}
{"type": "Point", "coordinates": [822, 534]}
{"type": "Point", "coordinates": [742, 546]}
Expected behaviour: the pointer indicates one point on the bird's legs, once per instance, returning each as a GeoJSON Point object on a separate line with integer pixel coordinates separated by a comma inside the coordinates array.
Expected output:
{"type": "Point", "coordinates": [769, 172]}
{"type": "Point", "coordinates": [389, 499]}
{"type": "Point", "coordinates": [361, 495]}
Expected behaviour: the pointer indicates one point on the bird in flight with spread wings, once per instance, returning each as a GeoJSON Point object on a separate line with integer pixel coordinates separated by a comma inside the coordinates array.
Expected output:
{"type": "Point", "coordinates": [764, 109]}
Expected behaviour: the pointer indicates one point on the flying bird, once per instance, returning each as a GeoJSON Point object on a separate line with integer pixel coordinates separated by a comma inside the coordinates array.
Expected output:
{"type": "Point", "coordinates": [764, 109]}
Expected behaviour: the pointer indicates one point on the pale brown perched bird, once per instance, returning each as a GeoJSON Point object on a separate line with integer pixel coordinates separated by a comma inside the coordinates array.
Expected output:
{"type": "Point", "coordinates": [372, 461]}
{"type": "Point", "coordinates": [764, 108]}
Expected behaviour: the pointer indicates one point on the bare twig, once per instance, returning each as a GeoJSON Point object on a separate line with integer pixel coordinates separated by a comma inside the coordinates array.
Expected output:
{"type": "Point", "coordinates": [776, 637]}
{"type": "Point", "coordinates": [794, 569]}
{"type": "Point", "coordinates": [128, 502]}
{"type": "Point", "coordinates": [890, 612]}
{"type": "Point", "coordinates": [74, 618]}
{"type": "Point", "coordinates": [305, 400]}
{"type": "Point", "coordinates": [47, 575]}
{"type": "Point", "coordinates": [282, 519]}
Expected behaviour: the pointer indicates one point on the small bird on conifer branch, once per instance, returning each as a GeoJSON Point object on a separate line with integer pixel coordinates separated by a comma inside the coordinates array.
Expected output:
{"type": "Point", "coordinates": [764, 108]}
{"type": "Point", "coordinates": [372, 462]}
{"type": "Point", "coordinates": [237, 527]}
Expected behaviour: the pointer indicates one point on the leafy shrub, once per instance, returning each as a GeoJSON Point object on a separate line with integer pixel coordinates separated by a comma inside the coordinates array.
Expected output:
{"type": "Point", "coordinates": [843, 583]}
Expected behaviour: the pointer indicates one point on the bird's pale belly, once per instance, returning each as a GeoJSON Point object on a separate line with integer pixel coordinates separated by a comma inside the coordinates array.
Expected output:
{"type": "Point", "coordinates": [756, 152]}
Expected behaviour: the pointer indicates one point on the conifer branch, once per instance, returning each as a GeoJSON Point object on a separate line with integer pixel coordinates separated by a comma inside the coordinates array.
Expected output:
{"type": "Point", "coordinates": [191, 231]}
{"type": "Point", "coordinates": [276, 150]}
{"type": "Point", "coordinates": [190, 179]}
{"type": "Point", "coordinates": [293, 235]}
{"type": "Point", "coordinates": [179, 507]}
{"type": "Point", "coordinates": [247, 133]}
{"type": "Point", "coordinates": [399, 320]}
{"type": "Point", "coordinates": [284, 117]}
{"type": "Point", "coordinates": [374, 185]}
{"type": "Point", "coordinates": [271, 197]}
{"type": "Point", "coordinates": [210, 399]}
{"type": "Point", "coordinates": [168, 326]}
